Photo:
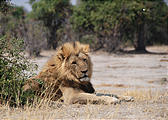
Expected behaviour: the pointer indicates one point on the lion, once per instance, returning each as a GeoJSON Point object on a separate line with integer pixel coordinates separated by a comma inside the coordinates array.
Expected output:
{"type": "Point", "coordinates": [67, 76]}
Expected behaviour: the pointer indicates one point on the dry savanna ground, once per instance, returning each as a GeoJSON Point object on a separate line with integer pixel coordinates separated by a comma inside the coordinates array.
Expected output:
{"type": "Point", "coordinates": [143, 76]}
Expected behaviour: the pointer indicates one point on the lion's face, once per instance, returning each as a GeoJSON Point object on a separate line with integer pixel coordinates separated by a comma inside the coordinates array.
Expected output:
{"type": "Point", "coordinates": [75, 61]}
{"type": "Point", "coordinates": [79, 65]}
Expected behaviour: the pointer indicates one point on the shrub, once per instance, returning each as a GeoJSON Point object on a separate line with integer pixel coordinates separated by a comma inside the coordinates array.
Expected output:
{"type": "Point", "coordinates": [14, 70]}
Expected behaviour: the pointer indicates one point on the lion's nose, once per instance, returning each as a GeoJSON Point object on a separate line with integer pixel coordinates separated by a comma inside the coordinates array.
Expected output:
{"type": "Point", "coordinates": [85, 71]}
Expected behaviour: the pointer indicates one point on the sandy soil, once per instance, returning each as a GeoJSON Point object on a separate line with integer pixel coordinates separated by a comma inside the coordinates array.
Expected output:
{"type": "Point", "coordinates": [143, 76]}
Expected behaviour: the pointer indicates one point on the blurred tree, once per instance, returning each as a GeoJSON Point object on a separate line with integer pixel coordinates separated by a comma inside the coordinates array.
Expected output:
{"type": "Point", "coordinates": [4, 6]}
{"type": "Point", "coordinates": [11, 23]}
{"type": "Point", "coordinates": [113, 21]}
{"type": "Point", "coordinates": [142, 17]}
{"type": "Point", "coordinates": [53, 13]}
{"type": "Point", "coordinates": [34, 37]}
{"type": "Point", "coordinates": [14, 24]}
{"type": "Point", "coordinates": [98, 18]}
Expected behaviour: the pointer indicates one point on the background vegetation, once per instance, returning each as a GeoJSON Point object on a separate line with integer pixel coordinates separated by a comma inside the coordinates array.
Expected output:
{"type": "Point", "coordinates": [115, 22]}
{"type": "Point", "coordinates": [109, 25]}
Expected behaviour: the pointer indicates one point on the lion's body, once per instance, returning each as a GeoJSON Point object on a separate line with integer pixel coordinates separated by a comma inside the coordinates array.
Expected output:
{"type": "Point", "coordinates": [68, 75]}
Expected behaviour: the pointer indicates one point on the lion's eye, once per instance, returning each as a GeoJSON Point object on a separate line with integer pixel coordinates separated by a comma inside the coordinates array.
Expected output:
{"type": "Point", "coordinates": [74, 62]}
{"type": "Point", "coordinates": [85, 60]}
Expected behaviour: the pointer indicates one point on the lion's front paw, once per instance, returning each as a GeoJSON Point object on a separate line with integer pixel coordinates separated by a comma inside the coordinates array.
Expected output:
{"type": "Point", "coordinates": [114, 100]}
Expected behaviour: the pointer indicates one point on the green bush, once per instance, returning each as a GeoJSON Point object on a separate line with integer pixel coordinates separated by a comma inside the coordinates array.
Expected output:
{"type": "Point", "coordinates": [14, 70]}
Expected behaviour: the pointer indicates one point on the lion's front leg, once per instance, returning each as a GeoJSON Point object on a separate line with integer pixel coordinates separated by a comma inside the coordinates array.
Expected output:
{"type": "Point", "coordinates": [93, 99]}
{"type": "Point", "coordinates": [72, 96]}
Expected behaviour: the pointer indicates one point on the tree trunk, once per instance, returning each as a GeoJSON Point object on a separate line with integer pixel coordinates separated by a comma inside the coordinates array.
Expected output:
{"type": "Point", "coordinates": [52, 41]}
{"type": "Point", "coordinates": [140, 38]}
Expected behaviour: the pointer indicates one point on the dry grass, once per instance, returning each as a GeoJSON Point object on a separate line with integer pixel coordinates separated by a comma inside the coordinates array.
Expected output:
{"type": "Point", "coordinates": [145, 95]}
{"type": "Point", "coordinates": [46, 109]}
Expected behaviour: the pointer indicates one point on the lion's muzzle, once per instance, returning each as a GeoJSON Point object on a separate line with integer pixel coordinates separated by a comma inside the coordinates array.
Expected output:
{"type": "Point", "coordinates": [85, 76]}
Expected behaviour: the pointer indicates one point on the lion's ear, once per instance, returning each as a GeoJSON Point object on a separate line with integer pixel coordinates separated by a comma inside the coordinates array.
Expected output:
{"type": "Point", "coordinates": [86, 48]}
{"type": "Point", "coordinates": [61, 56]}
{"type": "Point", "coordinates": [83, 47]}
{"type": "Point", "coordinates": [65, 52]}
{"type": "Point", "coordinates": [60, 53]}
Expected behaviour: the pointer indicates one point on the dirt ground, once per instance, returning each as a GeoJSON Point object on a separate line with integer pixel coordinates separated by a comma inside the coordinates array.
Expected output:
{"type": "Point", "coordinates": [143, 76]}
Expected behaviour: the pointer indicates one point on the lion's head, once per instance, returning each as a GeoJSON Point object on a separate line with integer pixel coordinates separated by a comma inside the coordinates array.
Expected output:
{"type": "Point", "coordinates": [72, 60]}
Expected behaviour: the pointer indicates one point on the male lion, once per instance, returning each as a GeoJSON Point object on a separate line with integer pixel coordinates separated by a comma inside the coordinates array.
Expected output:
{"type": "Point", "coordinates": [67, 74]}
